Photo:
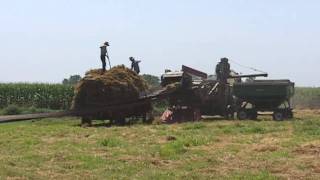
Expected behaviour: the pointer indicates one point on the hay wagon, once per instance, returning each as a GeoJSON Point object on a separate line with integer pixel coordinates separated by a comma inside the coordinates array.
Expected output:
{"type": "Point", "coordinates": [117, 113]}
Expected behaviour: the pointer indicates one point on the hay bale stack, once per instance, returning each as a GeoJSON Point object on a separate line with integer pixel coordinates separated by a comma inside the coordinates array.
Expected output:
{"type": "Point", "coordinates": [97, 89]}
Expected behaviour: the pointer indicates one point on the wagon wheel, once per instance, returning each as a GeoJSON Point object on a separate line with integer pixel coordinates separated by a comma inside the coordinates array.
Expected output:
{"type": "Point", "coordinates": [278, 116]}
{"type": "Point", "coordinates": [253, 115]}
{"type": "Point", "coordinates": [86, 121]}
{"type": "Point", "coordinates": [120, 121]}
{"type": "Point", "coordinates": [290, 114]}
{"type": "Point", "coordinates": [242, 115]}
{"type": "Point", "coordinates": [147, 117]}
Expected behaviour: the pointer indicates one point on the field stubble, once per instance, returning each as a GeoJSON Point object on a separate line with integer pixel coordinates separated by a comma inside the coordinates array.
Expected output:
{"type": "Point", "coordinates": [219, 149]}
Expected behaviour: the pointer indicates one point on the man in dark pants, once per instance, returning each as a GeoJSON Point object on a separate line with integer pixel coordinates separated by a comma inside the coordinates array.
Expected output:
{"type": "Point", "coordinates": [103, 55]}
{"type": "Point", "coordinates": [223, 70]}
{"type": "Point", "coordinates": [223, 73]}
{"type": "Point", "coordinates": [135, 65]}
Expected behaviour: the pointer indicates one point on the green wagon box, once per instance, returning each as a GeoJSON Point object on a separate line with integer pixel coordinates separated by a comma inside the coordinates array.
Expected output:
{"type": "Point", "coordinates": [264, 95]}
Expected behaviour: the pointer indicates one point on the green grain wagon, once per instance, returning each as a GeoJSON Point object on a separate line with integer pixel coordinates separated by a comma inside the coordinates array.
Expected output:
{"type": "Point", "coordinates": [264, 95]}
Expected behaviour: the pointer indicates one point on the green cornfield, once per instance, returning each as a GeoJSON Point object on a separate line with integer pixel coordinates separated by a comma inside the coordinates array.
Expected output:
{"type": "Point", "coordinates": [307, 97]}
{"type": "Point", "coordinates": [58, 96]}
{"type": "Point", "coordinates": [38, 95]}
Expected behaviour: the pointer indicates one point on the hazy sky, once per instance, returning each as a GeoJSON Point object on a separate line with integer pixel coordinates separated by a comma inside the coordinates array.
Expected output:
{"type": "Point", "coordinates": [48, 40]}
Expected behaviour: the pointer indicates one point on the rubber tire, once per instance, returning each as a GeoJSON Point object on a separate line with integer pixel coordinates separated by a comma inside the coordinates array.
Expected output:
{"type": "Point", "coordinates": [290, 114]}
{"type": "Point", "coordinates": [242, 115]}
{"type": "Point", "coordinates": [86, 122]}
{"type": "Point", "coordinates": [253, 115]}
{"type": "Point", "coordinates": [120, 121]}
{"type": "Point", "coordinates": [278, 116]}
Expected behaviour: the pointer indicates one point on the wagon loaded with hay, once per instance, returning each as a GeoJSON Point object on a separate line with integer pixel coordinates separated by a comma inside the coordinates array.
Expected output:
{"type": "Point", "coordinates": [115, 95]}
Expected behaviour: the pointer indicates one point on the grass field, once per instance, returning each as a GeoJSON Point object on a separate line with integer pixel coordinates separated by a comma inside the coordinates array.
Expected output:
{"type": "Point", "coordinates": [212, 149]}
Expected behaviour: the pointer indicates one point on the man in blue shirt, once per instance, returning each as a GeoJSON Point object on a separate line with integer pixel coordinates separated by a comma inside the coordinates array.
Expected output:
{"type": "Point", "coordinates": [103, 55]}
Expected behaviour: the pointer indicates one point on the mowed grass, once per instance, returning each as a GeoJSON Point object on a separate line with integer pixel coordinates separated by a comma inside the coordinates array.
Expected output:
{"type": "Point", "coordinates": [211, 149]}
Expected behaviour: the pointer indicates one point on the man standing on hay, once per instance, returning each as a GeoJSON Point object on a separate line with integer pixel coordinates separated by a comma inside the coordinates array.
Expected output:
{"type": "Point", "coordinates": [135, 65]}
{"type": "Point", "coordinates": [103, 55]}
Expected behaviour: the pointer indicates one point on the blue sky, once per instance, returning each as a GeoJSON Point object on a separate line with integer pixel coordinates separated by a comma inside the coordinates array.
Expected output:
{"type": "Point", "coordinates": [48, 40]}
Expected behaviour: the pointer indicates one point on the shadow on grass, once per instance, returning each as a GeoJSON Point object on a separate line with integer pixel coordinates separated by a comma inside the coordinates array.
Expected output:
{"type": "Point", "coordinates": [218, 118]}
{"type": "Point", "coordinates": [109, 124]}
